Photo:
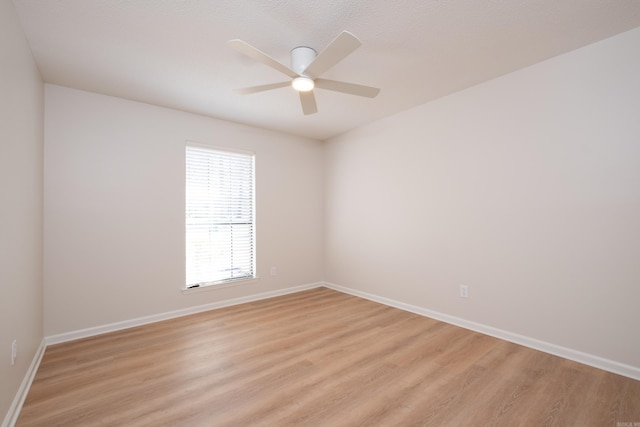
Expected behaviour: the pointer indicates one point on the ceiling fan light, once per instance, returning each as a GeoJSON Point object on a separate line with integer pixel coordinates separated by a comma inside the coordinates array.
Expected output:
{"type": "Point", "coordinates": [302, 84]}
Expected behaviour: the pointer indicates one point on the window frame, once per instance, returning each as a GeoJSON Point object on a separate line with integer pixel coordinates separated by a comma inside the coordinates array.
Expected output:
{"type": "Point", "coordinates": [217, 284]}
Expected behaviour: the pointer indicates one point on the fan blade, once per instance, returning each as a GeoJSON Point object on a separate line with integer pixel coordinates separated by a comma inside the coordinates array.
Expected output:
{"type": "Point", "coordinates": [261, 88]}
{"type": "Point", "coordinates": [308, 101]}
{"type": "Point", "coordinates": [350, 88]}
{"type": "Point", "coordinates": [253, 53]}
{"type": "Point", "coordinates": [337, 50]}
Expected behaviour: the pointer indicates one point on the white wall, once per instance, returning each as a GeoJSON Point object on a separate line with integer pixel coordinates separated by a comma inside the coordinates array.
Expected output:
{"type": "Point", "coordinates": [21, 138]}
{"type": "Point", "coordinates": [114, 208]}
{"type": "Point", "coordinates": [525, 188]}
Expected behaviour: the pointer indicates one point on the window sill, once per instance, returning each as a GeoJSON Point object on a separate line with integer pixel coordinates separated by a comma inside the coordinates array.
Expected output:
{"type": "Point", "coordinates": [214, 286]}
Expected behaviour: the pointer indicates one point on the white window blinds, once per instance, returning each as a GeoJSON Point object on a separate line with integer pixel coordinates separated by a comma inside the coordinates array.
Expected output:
{"type": "Point", "coordinates": [220, 228]}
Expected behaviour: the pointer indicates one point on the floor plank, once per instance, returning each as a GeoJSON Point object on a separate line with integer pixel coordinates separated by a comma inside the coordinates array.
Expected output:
{"type": "Point", "coordinates": [317, 358]}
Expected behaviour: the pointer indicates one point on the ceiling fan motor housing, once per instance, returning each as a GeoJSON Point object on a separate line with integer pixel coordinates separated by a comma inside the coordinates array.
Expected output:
{"type": "Point", "coordinates": [301, 57]}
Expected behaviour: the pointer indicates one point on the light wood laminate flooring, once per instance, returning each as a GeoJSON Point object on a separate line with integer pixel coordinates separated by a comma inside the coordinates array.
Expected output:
{"type": "Point", "coordinates": [317, 358]}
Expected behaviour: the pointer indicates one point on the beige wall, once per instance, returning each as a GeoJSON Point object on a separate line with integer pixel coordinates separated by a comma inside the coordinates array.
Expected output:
{"type": "Point", "coordinates": [21, 107]}
{"type": "Point", "coordinates": [114, 208]}
{"type": "Point", "coordinates": [525, 188]}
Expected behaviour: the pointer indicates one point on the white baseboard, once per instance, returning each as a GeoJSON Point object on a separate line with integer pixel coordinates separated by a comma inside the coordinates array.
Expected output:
{"type": "Point", "coordinates": [14, 410]}
{"type": "Point", "coordinates": [112, 327]}
{"type": "Point", "coordinates": [567, 353]}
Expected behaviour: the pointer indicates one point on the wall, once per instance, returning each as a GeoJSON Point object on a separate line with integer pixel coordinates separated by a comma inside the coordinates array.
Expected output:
{"type": "Point", "coordinates": [114, 208]}
{"type": "Point", "coordinates": [525, 188]}
{"type": "Point", "coordinates": [21, 138]}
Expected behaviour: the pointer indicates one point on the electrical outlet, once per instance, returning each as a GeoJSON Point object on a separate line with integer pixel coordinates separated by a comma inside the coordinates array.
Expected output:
{"type": "Point", "coordinates": [14, 351]}
{"type": "Point", "coordinates": [464, 291]}
{"type": "Point", "coordinates": [274, 271]}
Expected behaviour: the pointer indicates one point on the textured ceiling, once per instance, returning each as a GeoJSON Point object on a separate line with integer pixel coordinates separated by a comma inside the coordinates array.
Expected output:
{"type": "Point", "coordinates": [173, 53]}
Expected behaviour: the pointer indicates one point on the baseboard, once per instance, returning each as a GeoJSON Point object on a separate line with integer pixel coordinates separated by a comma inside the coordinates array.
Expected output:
{"type": "Point", "coordinates": [112, 327]}
{"type": "Point", "coordinates": [16, 406]}
{"type": "Point", "coordinates": [567, 353]}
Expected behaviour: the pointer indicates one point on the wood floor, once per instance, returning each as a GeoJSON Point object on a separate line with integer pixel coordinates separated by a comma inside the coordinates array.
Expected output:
{"type": "Point", "coordinates": [317, 358]}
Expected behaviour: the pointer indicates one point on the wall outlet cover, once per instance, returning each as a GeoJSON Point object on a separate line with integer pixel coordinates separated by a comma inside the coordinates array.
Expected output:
{"type": "Point", "coordinates": [464, 291]}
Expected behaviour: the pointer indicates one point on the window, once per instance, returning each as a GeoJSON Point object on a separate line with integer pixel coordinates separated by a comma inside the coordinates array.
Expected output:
{"type": "Point", "coordinates": [220, 231]}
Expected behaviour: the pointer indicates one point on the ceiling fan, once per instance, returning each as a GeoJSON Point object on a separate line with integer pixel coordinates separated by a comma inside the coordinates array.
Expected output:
{"type": "Point", "coordinates": [306, 67]}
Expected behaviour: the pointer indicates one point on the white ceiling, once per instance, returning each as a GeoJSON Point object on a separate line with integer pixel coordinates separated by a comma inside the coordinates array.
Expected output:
{"type": "Point", "coordinates": [173, 53]}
